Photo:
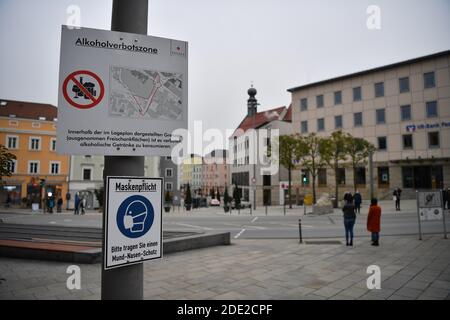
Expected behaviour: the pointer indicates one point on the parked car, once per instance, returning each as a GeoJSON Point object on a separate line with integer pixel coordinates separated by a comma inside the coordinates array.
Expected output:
{"type": "Point", "coordinates": [214, 203]}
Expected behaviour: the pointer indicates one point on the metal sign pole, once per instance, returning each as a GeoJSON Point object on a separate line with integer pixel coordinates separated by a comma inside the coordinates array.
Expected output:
{"type": "Point", "coordinates": [443, 214]}
{"type": "Point", "coordinates": [418, 215]}
{"type": "Point", "coordinates": [125, 283]}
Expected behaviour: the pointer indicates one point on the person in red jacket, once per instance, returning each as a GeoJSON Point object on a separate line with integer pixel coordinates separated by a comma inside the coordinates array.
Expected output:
{"type": "Point", "coordinates": [373, 221]}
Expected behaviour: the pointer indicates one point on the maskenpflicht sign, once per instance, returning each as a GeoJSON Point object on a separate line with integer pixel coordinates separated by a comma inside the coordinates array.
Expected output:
{"type": "Point", "coordinates": [133, 220]}
{"type": "Point", "coordinates": [120, 93]}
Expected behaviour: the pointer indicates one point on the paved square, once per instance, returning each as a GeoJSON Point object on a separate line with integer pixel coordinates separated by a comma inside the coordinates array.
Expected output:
{"type": "Point", "coordinates": [260, 269]}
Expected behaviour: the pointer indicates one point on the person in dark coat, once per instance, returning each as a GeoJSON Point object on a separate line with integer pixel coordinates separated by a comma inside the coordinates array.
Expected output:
{"type": "Point", "coordinates": [357, 200]}
{"type": "Point", "coordinates": [76, 204]}
{"type": "Point", "coordinates": [374, 221]}
{"type": "Point", "coordinates": [446, 198]}
{"type": "Point", "coordinates": [397, 195]}
{"type": "Point", "coordinates": [349, 221]}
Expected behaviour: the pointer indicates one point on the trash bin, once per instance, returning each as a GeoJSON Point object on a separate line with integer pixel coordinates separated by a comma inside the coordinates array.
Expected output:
{"type": "Point", "coordinates": [308, 199]}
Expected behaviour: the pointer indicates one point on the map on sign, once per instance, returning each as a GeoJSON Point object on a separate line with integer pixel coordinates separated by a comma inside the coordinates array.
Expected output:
{"type": "Point", "coordinates": [145, 94]}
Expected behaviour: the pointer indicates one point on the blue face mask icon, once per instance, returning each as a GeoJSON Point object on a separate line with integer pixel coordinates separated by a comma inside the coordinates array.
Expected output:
{"type": "Point", "coordinates": [135, 216]}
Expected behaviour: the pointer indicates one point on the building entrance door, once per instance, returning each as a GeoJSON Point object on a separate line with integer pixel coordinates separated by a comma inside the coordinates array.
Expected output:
{"type": "Point", "coordinates": [422, 177]}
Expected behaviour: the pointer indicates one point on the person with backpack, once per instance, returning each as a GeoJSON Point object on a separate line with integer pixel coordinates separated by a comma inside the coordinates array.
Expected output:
{"type": "Point", "coordinates": [349, 221]}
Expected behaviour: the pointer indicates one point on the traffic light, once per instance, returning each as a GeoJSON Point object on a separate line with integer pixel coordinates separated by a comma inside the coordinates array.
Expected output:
{"type": "Point", "coordinates": [305, 178]}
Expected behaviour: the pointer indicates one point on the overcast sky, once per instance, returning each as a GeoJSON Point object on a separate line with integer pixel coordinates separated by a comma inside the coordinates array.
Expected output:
{"type": "Point", "coordinates": [277, 44]}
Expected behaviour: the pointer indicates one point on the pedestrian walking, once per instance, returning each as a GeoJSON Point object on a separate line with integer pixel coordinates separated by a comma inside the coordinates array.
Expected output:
{"type": "Point", "coordinates": [446, 198]}
{"type": "Point", "coordinates": [51, 204]}
{"type": "Point", "coordinates": [357, 198]}
{"type": "Point", "coordinates": [76, 204]}
{"type": "Point", "coordinates": [396, 197]}
{"type": "Point", "coordinates": [373, 221]}
{"type": "Point", "coordinates": [349, 221]}
{"type": "Point", "coordinates": [83, 205]}
{"type": "Point", "coordinates": [59, 204]}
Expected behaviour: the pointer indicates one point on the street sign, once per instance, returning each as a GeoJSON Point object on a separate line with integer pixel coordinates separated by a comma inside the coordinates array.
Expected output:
{"type": "Point", "coordinates": [75, 89]}
{"type": "Point", "coordinates": [430, 207]}
{"type": "Point", "coordinates": [133, 220]}
{"type": "Point", "coordinates": [120, 93]}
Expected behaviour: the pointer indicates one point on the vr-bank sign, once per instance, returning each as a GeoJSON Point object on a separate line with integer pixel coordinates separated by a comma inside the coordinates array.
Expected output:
{"type": "Point", "coordinates": [133, 220]}
{"type": "Point", "coordinates": [120, 93]}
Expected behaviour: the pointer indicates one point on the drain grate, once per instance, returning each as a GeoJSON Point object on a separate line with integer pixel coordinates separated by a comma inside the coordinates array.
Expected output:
{"type": "Point", "coordinates": [323, 242]}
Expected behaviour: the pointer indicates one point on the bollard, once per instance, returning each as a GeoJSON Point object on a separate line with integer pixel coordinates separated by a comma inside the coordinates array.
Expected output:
{"type": "Point", "coordinates": [250, 209]}
{"type": "Point", "coordinates": [266, 209]}
{"type": "Point", "coordinates": [239, 210]}
{"type": "Point", "coordinates": [284, 208]}
{"type": "Point", "coordinates": [300, 230]}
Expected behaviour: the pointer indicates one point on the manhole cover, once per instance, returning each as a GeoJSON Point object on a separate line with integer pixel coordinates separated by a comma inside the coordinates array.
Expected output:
{"type": "Point", "coordinates": [323, 242]}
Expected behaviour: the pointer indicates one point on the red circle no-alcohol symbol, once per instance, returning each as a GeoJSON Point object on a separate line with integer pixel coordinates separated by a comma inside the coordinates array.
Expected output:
{"type": "Point", "coordinates": [83, 89]}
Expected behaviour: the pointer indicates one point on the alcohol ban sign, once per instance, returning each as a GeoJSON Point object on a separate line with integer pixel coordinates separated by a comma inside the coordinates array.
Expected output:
{"type": "Point", "coordinates": [120, 93]}
{"type": "Point", "coordinates": [133, 220]}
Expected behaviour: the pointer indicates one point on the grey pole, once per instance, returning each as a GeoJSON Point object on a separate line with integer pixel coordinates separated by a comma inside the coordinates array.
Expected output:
{"type": "Point", "coordinates": [443, 214]}
{"type": "Point", "coordinates": [418, 216]}
{"type": "Point", "coordinates": [125, 283]}
{"type": "Point", "coordinates": [371, 186]}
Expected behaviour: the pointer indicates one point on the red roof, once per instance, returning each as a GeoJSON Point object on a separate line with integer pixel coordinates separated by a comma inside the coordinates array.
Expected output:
{"type": "Point", "coordinates": [27, 110]}
{"type": "Point", "coordinates": [263, 117]}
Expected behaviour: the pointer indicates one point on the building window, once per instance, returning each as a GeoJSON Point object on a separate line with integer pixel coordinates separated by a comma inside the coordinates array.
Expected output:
{"type": "Point", "coordinates": [341, 176]}
{"type": "Point", "coordinates": [168, 186]}
{"type": "Point", "coordinates": [168, 172]}
{"type": "Point", "coordinates": [433, 139]}
{"type": "Point", "coordinates": [357, 96]}
{"type": "Point", "coordinates": [35, 143]}
{"type": "Point", "coordinates": [338, 97]}
{"type": "Point", "coordinates": [12, 142]}
{"type": "Point", "coordinates": [12, 166]}
{"type": "Point", "coordinates": [54, 167]}
{"type": "Point", "coordinates": [407, 141]}
{"type": "Point", "coordinates": [52, 144]}
{"type": "Point", "coordinates": [338, 122]}
{"type": "Point", "coordinates": [403, 84]}
{"type": "Point", "coordinates": [360, 176]}
{"type": "Point", "coordinates": [303, 104]}
{"type": "Point", "coordinates": [319, 101]}
{"type": "Point", "coordinates": [304, 127]}
{"type": "Point", "coordinates": [87, 174]}
{"type": "Point", "coordinates": [428, 80]}
{"type": "Point", "coordinates": [383, 176]}
{"type": "Point", "coordinates": [381, 116]}
{"type": "Point", "coordinates": [357, 119]}
{"type": "Point", "coordinates": [405, 112]}
{"type": "Point", "coordinates": [321, 124]}
{"type": "Point", "coordinates": [431, 109]}
{"type": "Point", "coordinates": [33, 167]}
{"type": "Point", "coordinates": [382, 143]}
{"type": "Point", "coordinates": [322, 177]}
{"type": "Point", "coordinates": [379, 89]}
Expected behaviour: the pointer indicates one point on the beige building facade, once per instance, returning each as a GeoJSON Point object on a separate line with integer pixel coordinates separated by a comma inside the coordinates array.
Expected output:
{"type": "Point", "coordinates": [403, 109]}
